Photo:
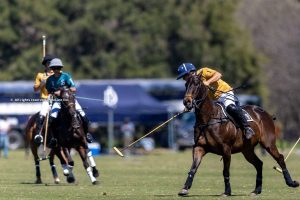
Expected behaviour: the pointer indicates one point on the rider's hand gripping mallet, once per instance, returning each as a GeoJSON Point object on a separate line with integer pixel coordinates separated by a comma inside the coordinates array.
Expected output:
{"type": "Point", "coordinates": [130, 145]}
{"type": "Point", "coordinates": [277, 168]}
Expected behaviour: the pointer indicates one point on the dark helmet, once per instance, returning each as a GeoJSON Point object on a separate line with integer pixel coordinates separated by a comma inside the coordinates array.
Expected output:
{"type": "Point", "coordinates": [47, 58]}
{"type": "Point", "coordinates": [56, 62]}
{"type": "Point", "coordinates": [184, 69]}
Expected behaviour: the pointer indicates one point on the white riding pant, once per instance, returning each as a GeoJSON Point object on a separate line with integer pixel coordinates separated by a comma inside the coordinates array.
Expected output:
{"type": "Point", "coordinates": [57, 106]}
{"type": "Point", "coordinates": [227, 99]}
{"type": "Point", "coordinates": [45, 107]}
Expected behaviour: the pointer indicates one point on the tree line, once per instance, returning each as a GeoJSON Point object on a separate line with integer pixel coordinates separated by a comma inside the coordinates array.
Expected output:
{"type": "Point", "coordinates": [126, 39]}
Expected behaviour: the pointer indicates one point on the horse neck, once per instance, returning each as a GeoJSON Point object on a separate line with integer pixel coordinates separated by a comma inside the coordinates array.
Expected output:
{"type": "Point", "coordinates": [206, 111]}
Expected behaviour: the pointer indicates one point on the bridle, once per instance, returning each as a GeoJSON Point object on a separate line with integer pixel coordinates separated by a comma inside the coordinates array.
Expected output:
{"type": "Point", "coordinates": [197, 103]}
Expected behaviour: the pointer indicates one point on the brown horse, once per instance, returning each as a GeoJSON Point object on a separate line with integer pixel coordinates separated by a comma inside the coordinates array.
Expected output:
{"type": "Point", "coordinates": [30, 131]}
{"type": "Point", "coordinates": [68, 130]}
{"type": "Point", "coordinates": [215, 133]}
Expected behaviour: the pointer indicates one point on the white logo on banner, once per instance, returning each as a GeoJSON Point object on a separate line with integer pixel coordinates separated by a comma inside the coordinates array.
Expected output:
{"type": "Point", "coordinates": [110, 97]}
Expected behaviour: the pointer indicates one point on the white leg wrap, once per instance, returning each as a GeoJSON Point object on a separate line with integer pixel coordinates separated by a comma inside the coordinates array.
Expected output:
{"type": "Point", "coordinates": [90, 173]}
{"type": "Point", "coordinates": [79, 109]}
{"type": "Point", "coordinates": [65, 169]}
{"type": "Point", "coordinates": [91, 159]}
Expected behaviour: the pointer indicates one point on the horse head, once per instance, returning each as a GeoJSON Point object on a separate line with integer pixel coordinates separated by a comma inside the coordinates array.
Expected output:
{"type": "Point", "coordinates": [196, 92]}
{"type": "Point", "coordinates": [69, 102]}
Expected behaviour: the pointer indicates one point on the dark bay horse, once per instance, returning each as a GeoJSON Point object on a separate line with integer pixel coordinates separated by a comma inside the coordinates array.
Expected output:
{"type": "Point", "coordinates": [213, 133]}
{"type": "Point", "coordinates": [68, 129]}
{"type": "Point", "coordinates": [30, 131]}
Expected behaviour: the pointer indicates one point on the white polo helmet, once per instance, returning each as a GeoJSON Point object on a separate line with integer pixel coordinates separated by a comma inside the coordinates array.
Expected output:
{"type": "Point", "coordinates": [56, 62]}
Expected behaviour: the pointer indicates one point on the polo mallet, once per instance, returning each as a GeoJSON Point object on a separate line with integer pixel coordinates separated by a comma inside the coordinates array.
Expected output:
{"type": "Point", "coordinates": [277, 168]}
{"type": "Point", "coordinates": [44, 45]}
{"type": "Point", "coordinates": [161, 125]}
{"type": "Point", "coordinates": [47, 116]}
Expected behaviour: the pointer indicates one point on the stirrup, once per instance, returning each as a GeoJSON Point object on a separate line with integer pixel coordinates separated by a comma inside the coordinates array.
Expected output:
{"type": "Point", "coordinates": [248, 132]}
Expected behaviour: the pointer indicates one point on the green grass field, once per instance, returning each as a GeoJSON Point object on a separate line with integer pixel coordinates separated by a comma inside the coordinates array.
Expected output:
{"type": "Point", "coordinates": [159, 175]}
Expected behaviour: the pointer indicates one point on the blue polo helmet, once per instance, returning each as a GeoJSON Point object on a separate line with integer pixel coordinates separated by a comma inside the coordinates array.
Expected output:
{"type": "Point", "coordinates": [184, 69]}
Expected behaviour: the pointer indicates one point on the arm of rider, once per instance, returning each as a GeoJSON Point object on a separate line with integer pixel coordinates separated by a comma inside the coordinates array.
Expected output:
{"type": "Point", "coordinates": [39, 86]}
{"type": "Point", "coordinates": [215, 77]}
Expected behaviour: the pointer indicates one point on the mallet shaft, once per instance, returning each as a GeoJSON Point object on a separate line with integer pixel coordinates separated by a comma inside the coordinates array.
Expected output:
{"type": "Point", "coordinates": [120, 151]}
{"type": "Point", "coordinates": [44, 45]}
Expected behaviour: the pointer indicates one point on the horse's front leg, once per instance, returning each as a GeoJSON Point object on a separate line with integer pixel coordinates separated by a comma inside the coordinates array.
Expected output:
{"type": "Point", "coordinates": [198, 153]}
{"type": "Point", "coordinates": [82, 152]}
{"type": "Point", "coordinates": [68, 169]}
{"type": "Point", "coordinates": [226, 174]}
{"type": "Point", "coordinates": [92, 163]}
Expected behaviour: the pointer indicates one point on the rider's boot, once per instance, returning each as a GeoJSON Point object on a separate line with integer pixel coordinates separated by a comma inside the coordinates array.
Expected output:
{"type": "Point", "coordinates": [237, 113]}
{"type": "Point", "coordinates": [85, 123]}
{"type": "Point", "coordinates": [38, 138]}
{"type": "Point", "coordinates": [53, 140]}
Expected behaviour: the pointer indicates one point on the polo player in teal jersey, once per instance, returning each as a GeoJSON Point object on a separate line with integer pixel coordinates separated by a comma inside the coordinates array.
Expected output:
{"type": "Point", "coordinates": [56, 81]}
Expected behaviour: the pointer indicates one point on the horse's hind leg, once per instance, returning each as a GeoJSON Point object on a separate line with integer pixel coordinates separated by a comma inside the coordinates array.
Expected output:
{"type": "Point", "coordinates": [198, 153]}
{"type": "Point", "coordinates": [273, 151]}
{"type": "Point", "coordinates": [252, 158]}
{"type": "Point", "coordinates": [34, 151]}
{"type": "Point", "coordinates": [53, 167]}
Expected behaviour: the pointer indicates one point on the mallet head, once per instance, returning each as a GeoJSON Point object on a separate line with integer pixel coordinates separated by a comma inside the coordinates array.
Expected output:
{"type": "Point", "coordinates": [118, 151]}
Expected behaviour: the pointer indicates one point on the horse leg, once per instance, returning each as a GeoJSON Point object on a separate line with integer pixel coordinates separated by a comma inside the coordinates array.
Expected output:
{"type": "Point", "coordinates": [53, 167]}
{"type": "Point", "coordinates": [34, 151]}
{"type": "Point", "coordinates": [83, 156]}
{"type": "Point", "coordinates": [68, 169]}
{"type": "Point", "coordinates": [198, 153]}
{"type": "Point", "coordinates": [92, 163]}
{"type": "Point", "coordinates": [273, 151]}
{"type": "Point", "coordinates": [252, 158]}
{"type": "Point", "coordinates": [226, 173]}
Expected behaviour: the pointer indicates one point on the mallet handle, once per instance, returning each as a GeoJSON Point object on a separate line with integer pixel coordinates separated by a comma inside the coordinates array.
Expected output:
{"type": "Point", "coordinates": [44, 45]}
{"type": "Point", "coordinates": [277, 168]}
{"type": "Point", "coordinates": [292, 149]}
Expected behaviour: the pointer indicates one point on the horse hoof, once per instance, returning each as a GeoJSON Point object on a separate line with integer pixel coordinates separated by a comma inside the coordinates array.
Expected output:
{"type": "Point", "coordinates": [95, 182]}
{"type": "Point", "coordinates": [183, 192]}
{"type": "Point", "coordinates": [254, 193]}
{"type": "Point", "coordinates": [95, 172]}
{"type": "Point", "coordinates": [225, 194]}
{"type": "Point", "coordinates": [295, 184]}
{"type": "Point", "coordinates": [56, 180]}
{"type": "Point", "coordinates": [70, 179]}
{"type": "Point", "coordinates": [38, 181]}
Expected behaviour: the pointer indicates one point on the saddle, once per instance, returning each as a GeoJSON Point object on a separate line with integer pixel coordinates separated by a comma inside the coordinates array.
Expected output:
{"type": "Point", "coordinates": [227, 116]}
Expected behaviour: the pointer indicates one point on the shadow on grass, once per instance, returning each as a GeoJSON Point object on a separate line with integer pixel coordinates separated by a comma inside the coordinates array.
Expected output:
{"type": "Point", "coordinates": [200, 195]}
{"type": "Point", "coordinates": [48, 184]}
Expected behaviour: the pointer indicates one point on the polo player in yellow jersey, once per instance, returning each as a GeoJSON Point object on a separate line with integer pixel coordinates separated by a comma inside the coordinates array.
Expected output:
{"type": "Point", "coordinates": [40, 85]}
{"type": "Point", "coordinates": [220, 91]}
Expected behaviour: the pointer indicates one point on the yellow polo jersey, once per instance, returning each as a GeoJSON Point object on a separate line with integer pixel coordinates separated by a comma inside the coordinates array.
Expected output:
{"type": "Point", "coordinates": [39, 78]}
{"type": "Point", "coordinates": [219, 86]}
